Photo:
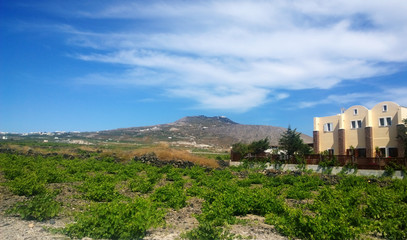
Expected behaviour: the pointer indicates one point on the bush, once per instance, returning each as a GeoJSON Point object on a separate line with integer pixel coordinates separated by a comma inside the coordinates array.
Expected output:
{"type": "Point", "coordinates": [197, 173]}
{"type": "Point", "coordinates": [207, 231]}
{"type": "Point", "coordinates": [100, 188]}
{"type": "Point", "coordinates": [141, 184]}
{"type": "Point", "coordinates": [171, 195]}
{"type": "Point", "coordinates": [328, 161]}
{"type": "Point", "coordinates": [40, 207]}
{"type": "Point", "coordinates": [28, 184]}
{"type": "Point", "coordinates": [116, 220]}
{"type": "Point", "coordinates": [174, 174]}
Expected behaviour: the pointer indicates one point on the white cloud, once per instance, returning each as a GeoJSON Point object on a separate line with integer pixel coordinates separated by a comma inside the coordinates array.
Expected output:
{"type": "Point", "coordinates": [370, 99]}
{"type": "Point", "coordinates": [222, 98]}
{"type": "Point", "coordinates": [233, 54]}
{"type": "Point", "coordinates": [341, 99]}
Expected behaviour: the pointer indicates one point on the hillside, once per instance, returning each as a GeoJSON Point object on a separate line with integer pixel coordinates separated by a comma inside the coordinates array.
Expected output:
{"type": "Point", "coordinates": [200, 131]}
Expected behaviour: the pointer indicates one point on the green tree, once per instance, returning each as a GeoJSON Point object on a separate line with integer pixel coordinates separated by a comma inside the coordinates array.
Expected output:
{"type": "Point", "coordinates": [259, 146]}
{"type": "Point", "coordinates": [254, 147]}
{"type": "Point", "coordinates": [292, 143]}
{"type": "Point", "coordinates": [241, 149]}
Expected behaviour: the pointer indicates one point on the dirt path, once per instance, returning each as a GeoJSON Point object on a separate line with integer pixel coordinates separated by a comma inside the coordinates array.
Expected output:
{"type": "Point", "coordinates": [13, 228]}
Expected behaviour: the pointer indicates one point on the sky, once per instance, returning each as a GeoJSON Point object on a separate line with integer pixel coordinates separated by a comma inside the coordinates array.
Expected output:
{"type": "Point", "coordinates": [83, 65]}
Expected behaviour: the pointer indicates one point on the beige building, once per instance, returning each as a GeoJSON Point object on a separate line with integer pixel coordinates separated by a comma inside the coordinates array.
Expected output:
{"type": "Point", "coordinates": [362, 129]}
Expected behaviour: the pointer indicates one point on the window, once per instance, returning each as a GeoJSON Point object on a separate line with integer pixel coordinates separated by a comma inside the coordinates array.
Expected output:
{"type": "Point", "coordinates": [384, 108]}
{"type": "Point", "coordinates": [388, 121]}
{"type": "Point", "coordinates": [383, 152]}
{"type": "Point", "coordinates": [355, 111]}
{"type": "Point", "coordinates": [328, 127]}
{"type": "Point", "coordinates": [356, 124]}
{"type": "Point", "coordinates": [383, 122]}
{"type": "Point", "coordinates": [393, 152]}
{"type": "Point", "coordinates": [361, 152]}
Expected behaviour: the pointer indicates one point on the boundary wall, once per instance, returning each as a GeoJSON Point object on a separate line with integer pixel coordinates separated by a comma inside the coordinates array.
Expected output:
{"type": "Point", "coordinates": [333, 170]}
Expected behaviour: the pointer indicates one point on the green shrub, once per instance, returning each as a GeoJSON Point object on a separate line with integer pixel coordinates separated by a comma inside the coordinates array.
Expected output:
{"type": "Point", "coordinates": [27, 184]}
{"type": "Point", "coordinates": [141, 184]}
{"type": "Point", "coordinates": [40, 207]}
{"type": "Point", "coordinates": [350, 183]}
{"type": "Point", "coordinates": [12, 172]}
{"type": "Point", "coordinates": [328, 161]}
{"type": "Point", "coordinates": [331, 216]}
{"type": "Point", "coordinates": [100, 188]}
{"type": "Point", "coordinates": [116, 220]}
{"type": "Point", "coordinates": [217, 213]}
{"type": "Point", "coordinates": [154, 176]}
{"type": "Point", "coordinates": [207, 231]}
{"type": "Point", "coordinates": [196, 172]}
{"type": "Point", "coordinates": [174, 174]}
{"type": "Point", "coordinates": [389, 170]}
{"type": "Point", "coordinates": [198, 191]}
{"type": "Point", "coordinates": [51, 173]}
{"type": "Point", "coordinates": [347, 168]}
{"type": "Point", "coordinates": [171, 195]}
{"type": "Point", "coordinates": [295, 223]}
{"type": "Point", "coordinates": [299, 194]}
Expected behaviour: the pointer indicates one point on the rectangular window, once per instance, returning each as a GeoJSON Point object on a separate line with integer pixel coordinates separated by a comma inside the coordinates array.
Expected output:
{"type": "Point", "coordinates": [383, 152]}
{"type": "Point", "coordinates": [355, 111]}
{"type": "Point", "coordinates": [384, 108]}
{"type": "Point", "coordinates": [388, 121]}
{"type": "Point", "coordinates": [361, 152]}
{"type": "Point", "coordinates": [383, 122]}
{"type": "Point", "coordinates": [393, 152]}
{"type": "Point", "coordinates": [328, 127]}
{"type": "Point", "coordinates": [356, 124]}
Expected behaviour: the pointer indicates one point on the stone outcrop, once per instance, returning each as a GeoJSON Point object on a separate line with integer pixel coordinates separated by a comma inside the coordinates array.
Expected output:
{"type": "Point", "coordinates": [151, 158]}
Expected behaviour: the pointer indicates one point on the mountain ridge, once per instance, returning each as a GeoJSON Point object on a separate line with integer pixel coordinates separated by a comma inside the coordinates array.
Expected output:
{"type": "Point", "coordinates": [217, 131]}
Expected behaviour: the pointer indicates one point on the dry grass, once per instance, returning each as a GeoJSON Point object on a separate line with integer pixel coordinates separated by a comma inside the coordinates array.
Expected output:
{"type": "Point", "coordinates": [163, 151]}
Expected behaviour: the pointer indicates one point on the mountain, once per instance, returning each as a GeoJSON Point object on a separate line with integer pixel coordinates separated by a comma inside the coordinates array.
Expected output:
{"type": "Point", "coordinates": [202, 131]}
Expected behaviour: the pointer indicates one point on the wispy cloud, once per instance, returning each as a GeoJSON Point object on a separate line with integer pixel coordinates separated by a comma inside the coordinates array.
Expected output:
{"type": "Point", "coordinates": [343, 99]}
{"type": "Point", "coordinates": [398, 95]}
{"type": "Point", "coordinates": [234, 54]}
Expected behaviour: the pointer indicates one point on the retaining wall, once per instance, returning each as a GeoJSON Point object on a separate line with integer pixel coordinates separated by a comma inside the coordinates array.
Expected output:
{"type": "Point", "coordinates": [335, 170]}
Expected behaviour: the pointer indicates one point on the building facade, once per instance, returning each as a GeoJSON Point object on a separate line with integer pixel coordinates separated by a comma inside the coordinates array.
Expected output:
{"type": "Point", "coordinates": [361, 131]}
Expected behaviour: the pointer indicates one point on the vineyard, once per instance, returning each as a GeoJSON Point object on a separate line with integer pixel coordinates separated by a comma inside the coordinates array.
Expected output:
{"type": "Point", "coordinates": [107, 198]}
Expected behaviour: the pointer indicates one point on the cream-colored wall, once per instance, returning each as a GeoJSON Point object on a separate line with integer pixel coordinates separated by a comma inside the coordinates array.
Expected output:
{"type": "Point", "coordinates": [328, 140]}
{"type": "Point", "coordinates": [355, 137]}
{"type": "Point", "coordinates": [403, 114]}
{"type": "Point", "coordinates": [385, 136]}
{"type": "Point", "coordinates": [316, 123]}
{"type": "Point", "coordinates": [382, 136]}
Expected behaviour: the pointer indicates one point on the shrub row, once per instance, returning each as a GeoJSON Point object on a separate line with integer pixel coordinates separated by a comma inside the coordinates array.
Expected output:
{"type": "Point", "coordinates": [299, 205]}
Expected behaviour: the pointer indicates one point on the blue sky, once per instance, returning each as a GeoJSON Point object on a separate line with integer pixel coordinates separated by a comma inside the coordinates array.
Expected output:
{"type": "Point", "coordinates": [96, 65]}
